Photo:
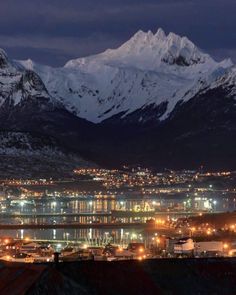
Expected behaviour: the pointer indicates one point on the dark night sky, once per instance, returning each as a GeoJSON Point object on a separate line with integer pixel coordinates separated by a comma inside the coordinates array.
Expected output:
{"type": "Point", "coordinates": [53, 31]}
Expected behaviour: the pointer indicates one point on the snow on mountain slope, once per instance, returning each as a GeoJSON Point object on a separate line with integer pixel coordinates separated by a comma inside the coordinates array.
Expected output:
{"type": "Point", "coordinates": [18, 85]}
{"type": "Point", "coordinates": [148, 70]}
{"type": "Point", "coordinates": [228, 80]}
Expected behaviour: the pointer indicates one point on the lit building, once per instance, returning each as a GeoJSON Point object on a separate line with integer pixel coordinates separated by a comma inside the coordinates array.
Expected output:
{"type": "Point", "coordinates": [184, 246]}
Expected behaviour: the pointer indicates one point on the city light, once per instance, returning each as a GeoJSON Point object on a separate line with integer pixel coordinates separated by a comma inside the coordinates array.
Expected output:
{"type": "Point", "coordinates": [226, 246]}
{"type": "Point", "coordinates": [157, 213]}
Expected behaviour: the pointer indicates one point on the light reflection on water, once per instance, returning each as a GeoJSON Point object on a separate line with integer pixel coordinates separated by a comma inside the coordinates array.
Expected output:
{"type": "Point", "coordinates": [88, 236]}
{"type": "Point", "coordinates": [89, 205]}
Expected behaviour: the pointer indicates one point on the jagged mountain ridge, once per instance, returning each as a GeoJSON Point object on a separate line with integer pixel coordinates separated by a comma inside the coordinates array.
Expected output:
{"type": "Point", "coordinates": [148, 70]}
{"type": "Point", "coordinates": [157, 101]}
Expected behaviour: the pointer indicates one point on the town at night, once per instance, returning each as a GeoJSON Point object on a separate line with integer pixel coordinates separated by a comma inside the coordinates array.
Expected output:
{"type": "Point", "coordinates": [117, 147]}
{"type": "Point", "coordinates": [114, 215]}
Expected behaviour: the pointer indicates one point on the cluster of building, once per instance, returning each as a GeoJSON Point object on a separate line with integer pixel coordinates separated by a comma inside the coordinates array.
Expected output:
{"type": "Point", "coordinates": [161, 247]}
{"type": "Point", "coordinates": [136, 177]}
{"type": "Point", "coordinates": [190, 248]}
{"type": "Point", "coordinates": [25, 251]}
{"type": "Point", "coordinates": [30, 251]}
{"type": "Point", "coordinates": [134, 250]}
{"type": "Point", "coordinates": [19, 182]}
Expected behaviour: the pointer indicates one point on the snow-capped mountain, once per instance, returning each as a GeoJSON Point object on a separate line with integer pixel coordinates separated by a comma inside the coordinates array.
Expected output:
{"type": "Point", "coordinates": [157, 100]}
{"type": "Point", "coordinates": [30, 119]}
{"type": "Point", "coordinates": [150, 71]}
{"type": "Point", "coordinates": [18, 85]}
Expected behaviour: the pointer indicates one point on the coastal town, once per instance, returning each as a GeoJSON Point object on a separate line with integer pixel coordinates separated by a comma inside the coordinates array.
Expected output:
{"type": "Point", "coordinates": [112, 215]}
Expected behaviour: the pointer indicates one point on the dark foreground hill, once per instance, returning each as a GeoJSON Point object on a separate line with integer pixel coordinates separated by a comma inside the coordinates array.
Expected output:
{"type": "Point", "coordinates": [175, 276]}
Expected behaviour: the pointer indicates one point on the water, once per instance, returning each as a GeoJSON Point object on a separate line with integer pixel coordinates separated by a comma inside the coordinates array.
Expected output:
{"type": "Point", "coordinates": [92, 205]}
{"type": "Point", "coordinates": [65, 206]}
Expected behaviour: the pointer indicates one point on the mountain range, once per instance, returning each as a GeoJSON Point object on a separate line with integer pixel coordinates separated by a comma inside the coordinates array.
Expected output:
{"type": "Point", "coordinates": [156, 101]}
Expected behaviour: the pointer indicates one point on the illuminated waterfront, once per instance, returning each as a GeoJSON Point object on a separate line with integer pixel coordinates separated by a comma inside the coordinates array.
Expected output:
{"type": "Point", "coordinates": [47, 211]}
{"type": "Point", "coordinates": [99, 210]}
{"type": "Point", "coordinates": [101, 207]}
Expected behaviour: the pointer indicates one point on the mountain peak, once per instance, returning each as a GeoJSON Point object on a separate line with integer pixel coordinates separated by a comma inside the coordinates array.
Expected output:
{"type": "Point", "coordinates": [158, 52]}
{"type": "Point", "coordinates": [143, 34]}
{"type": "Point", "coordinates": [160, 34]}
{"type": "Point", "coordinates": [149, 51]}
